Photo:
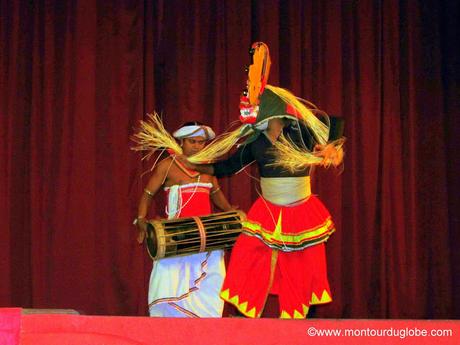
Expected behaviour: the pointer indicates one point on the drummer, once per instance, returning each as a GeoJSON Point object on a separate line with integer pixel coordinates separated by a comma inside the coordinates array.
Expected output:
{"type": "Point", "coordinates": [185, 286]}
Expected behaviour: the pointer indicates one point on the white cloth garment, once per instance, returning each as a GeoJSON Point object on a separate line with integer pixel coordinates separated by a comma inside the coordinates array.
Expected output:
{"type": "Point", "coordinates": [187, 286]}
{"type": "Point", "coordinates": [195, 131]}
{"type": "Point", "coordinates": [293, 189]}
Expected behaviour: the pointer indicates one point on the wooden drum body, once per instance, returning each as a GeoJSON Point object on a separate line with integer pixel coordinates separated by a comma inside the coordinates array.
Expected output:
{"type": "Point", "coordinates": [185, 236]}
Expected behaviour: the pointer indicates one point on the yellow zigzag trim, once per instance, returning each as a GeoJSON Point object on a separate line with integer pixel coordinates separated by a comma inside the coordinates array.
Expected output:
{"type": "Point", "coordinates": [285, 315]}
{"type": "Point", "coordinates": [242, 307]}
{"type": "Point", "coordinates": [305, 309]}
{"type": "Point", "coordinates": [297, 314]}
{"type": "Point", "coordinates": [325, 298]}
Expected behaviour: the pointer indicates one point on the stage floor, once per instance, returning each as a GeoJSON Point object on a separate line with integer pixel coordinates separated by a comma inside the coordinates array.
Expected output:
{"type": "Point", "coordinates": [71, 329]}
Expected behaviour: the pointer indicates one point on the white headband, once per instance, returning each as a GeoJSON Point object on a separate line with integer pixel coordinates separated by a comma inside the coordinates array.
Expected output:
{"type": "Point", "coordinates": [194, 131]}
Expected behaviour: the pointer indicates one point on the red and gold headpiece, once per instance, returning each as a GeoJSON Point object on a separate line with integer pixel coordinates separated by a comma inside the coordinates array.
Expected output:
{"type": "Point", "coordinates": [258, 73]}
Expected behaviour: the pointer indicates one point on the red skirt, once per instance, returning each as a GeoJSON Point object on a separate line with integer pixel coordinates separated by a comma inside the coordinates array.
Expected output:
{"type": "Point", "coordinates": [281, 251]}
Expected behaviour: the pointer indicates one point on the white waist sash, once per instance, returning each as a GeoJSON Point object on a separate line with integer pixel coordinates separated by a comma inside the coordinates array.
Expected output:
{"type": "Point", "coordinates": [285, 190]}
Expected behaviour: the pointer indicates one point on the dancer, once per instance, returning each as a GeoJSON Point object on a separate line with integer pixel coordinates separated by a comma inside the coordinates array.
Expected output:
{"type": "Point", "coordinates": [281, 251]}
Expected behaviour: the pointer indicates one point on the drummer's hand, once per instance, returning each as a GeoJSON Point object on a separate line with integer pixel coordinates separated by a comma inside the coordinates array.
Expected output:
{"type": "Point", "coordinates": [235, 207]}
{"type": "Point", "coordinates": [183, 159]}
{"type": "Point", "coordinates": [142, 230]}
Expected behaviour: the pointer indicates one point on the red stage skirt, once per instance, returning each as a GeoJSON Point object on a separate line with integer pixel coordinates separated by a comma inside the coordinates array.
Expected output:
{"type": "Point", "coordinates": [281, 251]}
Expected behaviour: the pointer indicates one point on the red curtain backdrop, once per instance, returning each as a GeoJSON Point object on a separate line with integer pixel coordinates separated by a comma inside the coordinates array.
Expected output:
{"type": "Point", "coordinates": [76, 76]}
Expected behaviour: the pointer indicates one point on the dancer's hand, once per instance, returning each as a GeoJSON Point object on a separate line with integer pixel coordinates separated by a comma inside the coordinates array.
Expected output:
{"type": "Point", "coordinates": [329, 153]}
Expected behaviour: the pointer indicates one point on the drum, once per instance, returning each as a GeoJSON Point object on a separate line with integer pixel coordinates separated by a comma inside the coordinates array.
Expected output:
{"type": "Point", "coordinates": [184, 236]}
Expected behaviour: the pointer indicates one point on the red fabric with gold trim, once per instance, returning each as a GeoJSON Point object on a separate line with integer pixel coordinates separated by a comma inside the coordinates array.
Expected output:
{"type": "Point", "coordinates": [195, 201]}
{"type": "Point", "coordinates": [299, 278]}
{"type": "Point", "coordinates": [292, 227]}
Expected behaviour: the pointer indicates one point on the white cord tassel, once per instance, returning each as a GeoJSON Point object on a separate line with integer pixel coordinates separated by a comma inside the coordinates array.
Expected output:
{"type": "Point", "coordinates": [174, 202]}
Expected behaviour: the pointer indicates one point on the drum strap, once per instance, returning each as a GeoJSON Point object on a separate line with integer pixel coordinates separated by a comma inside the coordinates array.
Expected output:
{"type": "Point", "coordinates": [202, 231]}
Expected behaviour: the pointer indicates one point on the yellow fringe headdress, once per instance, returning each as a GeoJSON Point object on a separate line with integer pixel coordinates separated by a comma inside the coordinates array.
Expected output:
{"type": "Point", "coordinates": [293, 158]}
{"type": "Point", "coordinates": [273, 102]}
{"type": "Point", "coordinates": [152, 137]}
{"type": "Point", "coordinates": [295, 107]}
{"type": "Point", "coordinates": [219, 146]}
